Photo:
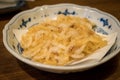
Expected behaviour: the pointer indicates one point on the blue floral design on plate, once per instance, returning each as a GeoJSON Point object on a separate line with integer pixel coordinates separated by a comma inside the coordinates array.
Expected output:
{"type": "Point", "coordinates": [67, 12]}
{"type": "Point", "coordinates": [100, 30]}
{"type": "Point", "coordinates": [105, 23]}
{"type": "Point", "coordinates": [24, 22]}
{"type": "Point", "coordinates": [20, 49]}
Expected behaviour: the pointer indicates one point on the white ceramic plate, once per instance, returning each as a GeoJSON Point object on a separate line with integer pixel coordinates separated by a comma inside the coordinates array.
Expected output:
{"type": "Point", "coordinates": [105, 22]}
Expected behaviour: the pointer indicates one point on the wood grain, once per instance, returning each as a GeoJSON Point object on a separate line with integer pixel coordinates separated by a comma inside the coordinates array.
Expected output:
{"type": "Point", "coordinates": [13, 69]}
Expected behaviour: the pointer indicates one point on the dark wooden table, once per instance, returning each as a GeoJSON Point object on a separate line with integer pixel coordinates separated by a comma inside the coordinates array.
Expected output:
{"type": "Point", "coordinates": [13, 69]}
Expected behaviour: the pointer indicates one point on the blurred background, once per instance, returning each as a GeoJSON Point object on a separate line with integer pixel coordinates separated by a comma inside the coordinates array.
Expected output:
{"type": "Point", "coordinates": [12, 7]}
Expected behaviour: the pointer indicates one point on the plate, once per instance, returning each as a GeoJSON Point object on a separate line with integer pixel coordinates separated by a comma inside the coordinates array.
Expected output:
{"type": "Point", "coordinates": [106, 24]}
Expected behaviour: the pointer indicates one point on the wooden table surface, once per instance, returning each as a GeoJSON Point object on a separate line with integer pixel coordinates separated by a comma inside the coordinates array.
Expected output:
{"type": "Point", "coordinates": [13, 69]}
